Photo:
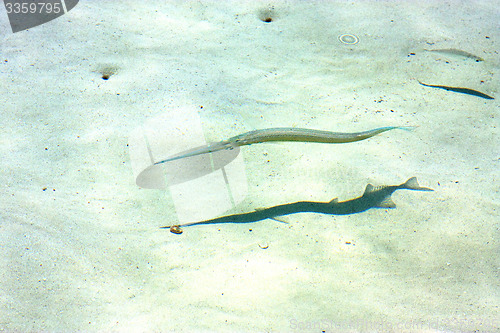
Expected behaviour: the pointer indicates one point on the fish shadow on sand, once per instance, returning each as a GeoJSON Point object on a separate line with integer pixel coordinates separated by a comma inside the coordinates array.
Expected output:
{"type": "Point", "coordinates": [373, 197]}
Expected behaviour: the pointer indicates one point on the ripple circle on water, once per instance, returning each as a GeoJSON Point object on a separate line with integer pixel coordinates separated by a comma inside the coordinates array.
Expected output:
{"type": "Point", "coordinates": [349, 39]}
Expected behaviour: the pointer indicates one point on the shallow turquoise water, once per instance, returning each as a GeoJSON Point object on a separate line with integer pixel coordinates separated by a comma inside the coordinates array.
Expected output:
{"type": "Point", "coordinates": [81, 244]}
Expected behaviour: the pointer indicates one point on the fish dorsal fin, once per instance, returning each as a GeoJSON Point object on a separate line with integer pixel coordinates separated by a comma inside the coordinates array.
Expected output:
{"type": "Point", "coordinates": [369, 188]}
{"type": "Point", "coordinates": [334, 201]}
{"type": "Point", "coordinates": [387, 203]}
{"type": "Point", "coordinates": [412, 184]}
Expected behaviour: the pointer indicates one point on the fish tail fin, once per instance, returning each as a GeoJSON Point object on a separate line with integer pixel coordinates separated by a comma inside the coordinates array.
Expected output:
{"type": "Point", "coordinates": [412, 184]}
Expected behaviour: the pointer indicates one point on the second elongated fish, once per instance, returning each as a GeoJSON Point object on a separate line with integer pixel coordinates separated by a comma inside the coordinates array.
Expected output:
{"type": "Point", "coordinates": [457, 53]}
{"type": "Point", "coordinates": [459, 90]}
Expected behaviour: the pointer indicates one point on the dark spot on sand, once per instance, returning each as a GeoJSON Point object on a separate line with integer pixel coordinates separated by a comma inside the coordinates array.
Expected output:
{"type": "Point", "coordinates": [107, 71]}
{"type": "Point", "coordinates": [267, 15]}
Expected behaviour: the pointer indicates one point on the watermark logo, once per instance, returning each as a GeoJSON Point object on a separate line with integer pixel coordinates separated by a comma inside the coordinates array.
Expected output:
{"type": "Point", "coordinates": [26, 14]}
{"type": "Point", "coordinates": [200, 187]}
{"type": "Point", "coordinates": [364, 325]}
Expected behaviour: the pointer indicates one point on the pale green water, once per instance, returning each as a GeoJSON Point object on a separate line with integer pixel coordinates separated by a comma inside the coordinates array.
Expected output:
{"type": "Point", "coordinates": [81, 244]}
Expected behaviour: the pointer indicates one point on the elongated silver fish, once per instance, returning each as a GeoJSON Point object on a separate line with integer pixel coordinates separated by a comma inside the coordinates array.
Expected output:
{"type": "Point", "coordinates": [284, 134]}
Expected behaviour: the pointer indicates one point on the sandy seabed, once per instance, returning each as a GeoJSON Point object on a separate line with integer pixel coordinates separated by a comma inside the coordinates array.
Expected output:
{"type": "Point", "coordinates": [81, 247]}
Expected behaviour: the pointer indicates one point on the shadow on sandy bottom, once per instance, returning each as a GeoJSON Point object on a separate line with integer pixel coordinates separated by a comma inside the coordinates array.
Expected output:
{"type": "Point", "coordinates": [373, 197]}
